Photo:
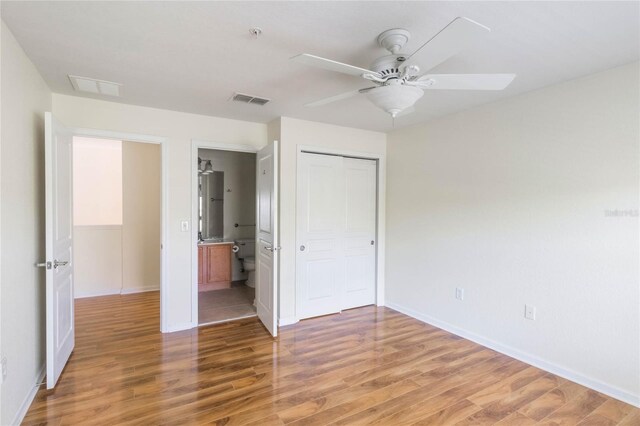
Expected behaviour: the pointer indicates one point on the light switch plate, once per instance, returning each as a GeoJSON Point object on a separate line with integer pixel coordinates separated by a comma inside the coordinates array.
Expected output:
{"type": "Point", "coordinates": [184, 226]}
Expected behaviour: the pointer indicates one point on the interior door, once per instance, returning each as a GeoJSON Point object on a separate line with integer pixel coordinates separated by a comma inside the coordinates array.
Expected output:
{"type": "Point", "coordinates": [320, 227]}
{"type": "Point", "coordinates": [267, 244]}
{"type": "Point", "coordinates": [360, 232]}
{"type": "Point", "coordinates": [58, 236]}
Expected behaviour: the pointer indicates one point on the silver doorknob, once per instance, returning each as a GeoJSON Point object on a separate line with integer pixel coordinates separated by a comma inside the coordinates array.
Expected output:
{"type": "Point", "coordinates": [44, 265]}
{"type": "Point", "coordinates": [302, 248]}
{"type": "Point", "coordinates": [372, 242]}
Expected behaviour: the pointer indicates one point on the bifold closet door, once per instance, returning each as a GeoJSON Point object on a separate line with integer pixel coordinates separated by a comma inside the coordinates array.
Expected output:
{"type": "Point", "coordinates": [336, 222]}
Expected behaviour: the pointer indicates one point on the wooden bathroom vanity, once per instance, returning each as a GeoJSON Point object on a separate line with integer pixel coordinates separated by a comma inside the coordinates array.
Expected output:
{"type": "Point", "coordinates": [214, 265]}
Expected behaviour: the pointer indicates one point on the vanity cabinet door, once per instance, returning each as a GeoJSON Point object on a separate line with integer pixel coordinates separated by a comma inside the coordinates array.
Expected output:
{"type": "Point", "coordinates": [216, 270]}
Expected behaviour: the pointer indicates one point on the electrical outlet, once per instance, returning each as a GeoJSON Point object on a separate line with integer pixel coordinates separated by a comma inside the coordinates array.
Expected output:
{"type": "Point", "coordinates": [460, 293]}
{"type": "Point", "coordinates": [184, 226]}
{"type": "Point", "coordinates": [4, 368]}
{"type": "Point", "coordinates": [530, 312]}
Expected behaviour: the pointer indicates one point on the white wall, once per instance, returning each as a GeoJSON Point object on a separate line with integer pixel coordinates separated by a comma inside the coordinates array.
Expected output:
{"type": "Point", "coordinates": [510, 201]}
{"type": "Point", "coordinates": [293, 133]}
{"type": "Point", "coordinates": [239, 195]}
{"type": "Point", "coordinates": [25, 97]}
{"type": "Point", "coordinates": [179, 128]}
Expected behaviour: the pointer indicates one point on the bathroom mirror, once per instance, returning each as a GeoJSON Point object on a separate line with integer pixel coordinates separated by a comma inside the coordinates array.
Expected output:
{"type": "Point", "coordinates": [211, 205]}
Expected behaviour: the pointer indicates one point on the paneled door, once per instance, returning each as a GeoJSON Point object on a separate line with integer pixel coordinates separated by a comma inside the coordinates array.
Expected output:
{"type": "Point", "coordinates": [360, 232]}
{"type": "Point", "coordinates": [60, 330]}
{"type": "Point", "coordinates": [267, 238]}
{"type": "Point", "coordinates": [320, 228]}
{"type": "Point", "coordinates": [336, 228]}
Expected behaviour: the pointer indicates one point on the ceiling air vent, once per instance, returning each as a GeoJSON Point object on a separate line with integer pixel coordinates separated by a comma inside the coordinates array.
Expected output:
{"type": "Point", "coordinates": [97, 87]}
{"type": "Point", "coordinates": [249, 99]}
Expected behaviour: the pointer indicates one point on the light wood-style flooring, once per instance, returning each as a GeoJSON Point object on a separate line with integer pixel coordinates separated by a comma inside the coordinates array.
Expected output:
{"type": "Point", "coordinates": [364, 366]}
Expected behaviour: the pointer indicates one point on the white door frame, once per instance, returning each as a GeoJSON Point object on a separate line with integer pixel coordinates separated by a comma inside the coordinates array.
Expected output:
{"type": "Point", "coordinates": [164, 202]}
{"type": "Point", "coordinates": [380, 207]}
{"type": "Point", "coordinates": [195, 145]}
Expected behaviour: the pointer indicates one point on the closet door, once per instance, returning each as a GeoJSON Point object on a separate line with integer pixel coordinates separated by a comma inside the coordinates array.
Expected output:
{"type": "Point", "coordinates": [320, 229]}
{"type": "Point", "coordinates": [360, 232]}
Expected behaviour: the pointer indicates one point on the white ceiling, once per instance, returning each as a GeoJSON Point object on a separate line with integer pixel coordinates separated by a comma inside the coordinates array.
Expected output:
{"type": "Point", "coordinates": [191, 56]}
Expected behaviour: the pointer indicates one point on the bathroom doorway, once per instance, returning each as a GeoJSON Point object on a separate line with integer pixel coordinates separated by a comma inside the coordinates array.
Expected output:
{"type": "Point", "coordinates": [226, 229]}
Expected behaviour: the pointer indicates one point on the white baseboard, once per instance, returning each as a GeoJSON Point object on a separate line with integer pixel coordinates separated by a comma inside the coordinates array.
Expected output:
{"type": "Point", "coordinates": [113, 292]}
{"type": "Point", "coordinates": [109, 292]}
{"type": "Point", "coordinates": [287, 321]}
{"type": "Point", "coordinates": [179, 327]}
{"type": "Point", "coordinates": [140, 289]}
{"type": "Point", "coordinates": [566, 373]}
{"type": "Point", "coordinates": [26, 403]}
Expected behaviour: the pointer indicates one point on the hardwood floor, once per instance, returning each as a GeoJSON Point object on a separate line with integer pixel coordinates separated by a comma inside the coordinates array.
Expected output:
{"type": "Point", "coordinates": [365, 366]}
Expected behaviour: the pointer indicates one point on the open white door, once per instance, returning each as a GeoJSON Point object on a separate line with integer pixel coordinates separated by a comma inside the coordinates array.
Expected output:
{"type": "Point", "coordinates": [267, 243]}
{"type": "Point", "coordinates": [58, 235]}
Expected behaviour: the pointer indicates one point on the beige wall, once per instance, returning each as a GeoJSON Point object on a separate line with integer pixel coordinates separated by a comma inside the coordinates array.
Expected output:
{"type": "Point", "coordinates": [97, 258]}
{"type": "Point", "coordinates": [179, 129]}
{"type": "Point", "coordinates": [24, 98]}
{"type": "Point", "coordinates": [510, 201]}
{"type": "Point", "coordinates": [294, 133]}
{"type": "Point", "coordinates": [97, 183]}
{"type": "Point", "coordinates": [122, 257]}
{"type": "Point", "coordinates": [141, 177]}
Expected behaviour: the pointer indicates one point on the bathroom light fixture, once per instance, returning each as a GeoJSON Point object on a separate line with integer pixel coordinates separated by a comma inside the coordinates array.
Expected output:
{"type": "Point", "coordinates": [208, 168]}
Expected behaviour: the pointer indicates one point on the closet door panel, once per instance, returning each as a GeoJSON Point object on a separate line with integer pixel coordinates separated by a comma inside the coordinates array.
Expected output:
{"type": "Point", "coordinates": [360, 232]}
{"type": "Point", "coordinates": [320, 225]}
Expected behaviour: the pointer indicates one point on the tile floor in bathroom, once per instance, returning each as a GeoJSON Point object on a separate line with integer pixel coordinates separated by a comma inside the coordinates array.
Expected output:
{"type": "Point", "coordinates": [225, 304]}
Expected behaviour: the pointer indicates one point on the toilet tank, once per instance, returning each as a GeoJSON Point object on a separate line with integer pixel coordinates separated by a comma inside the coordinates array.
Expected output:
{"type": "Point", "coordinates": [246, 247]}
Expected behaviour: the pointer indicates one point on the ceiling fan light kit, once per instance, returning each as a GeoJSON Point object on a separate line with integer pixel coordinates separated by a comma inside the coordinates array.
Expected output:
{"type": "Point", "coordinates": [399, 85]}
{"type": "Point", "coordinates": [394, 98]}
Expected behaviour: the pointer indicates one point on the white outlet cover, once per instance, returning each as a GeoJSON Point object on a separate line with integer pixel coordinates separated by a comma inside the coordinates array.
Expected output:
{"type": "Point", "coordinates": [530, 312]}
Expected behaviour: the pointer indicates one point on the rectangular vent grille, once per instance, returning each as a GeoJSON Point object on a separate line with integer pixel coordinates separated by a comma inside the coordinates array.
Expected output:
{"type": "Point", "coordinates": [97, 87]}
{"type": "Point", "coordinates": [249, 99]}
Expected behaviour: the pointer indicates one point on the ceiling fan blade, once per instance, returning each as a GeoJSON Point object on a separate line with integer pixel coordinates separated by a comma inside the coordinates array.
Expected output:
{"type": "Point", "coordinates": [464, 81]}
{"type": "Point", "coordinates": [339, 97]}
{"type": "Point", "coordinates": [328, 64]}
{"type": "Point", "coordinates": [452, 39]}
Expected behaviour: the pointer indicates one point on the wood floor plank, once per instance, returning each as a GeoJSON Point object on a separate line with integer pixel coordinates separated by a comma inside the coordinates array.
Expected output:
{"type": "Point", "coordinates": [552, 400]}
{"type": "Point", "coordinates": [370, 365]}
{"type": "Point", "coordinates": [575, 410]}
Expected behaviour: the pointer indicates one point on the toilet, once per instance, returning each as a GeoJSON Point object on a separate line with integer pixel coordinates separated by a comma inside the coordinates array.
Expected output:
{"type": "Point", "coordinates": [246, 254]}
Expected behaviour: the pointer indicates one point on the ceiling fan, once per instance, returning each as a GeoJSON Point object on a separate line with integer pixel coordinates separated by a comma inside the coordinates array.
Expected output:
{"type": "Point", "coordinates": [399, 83]}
